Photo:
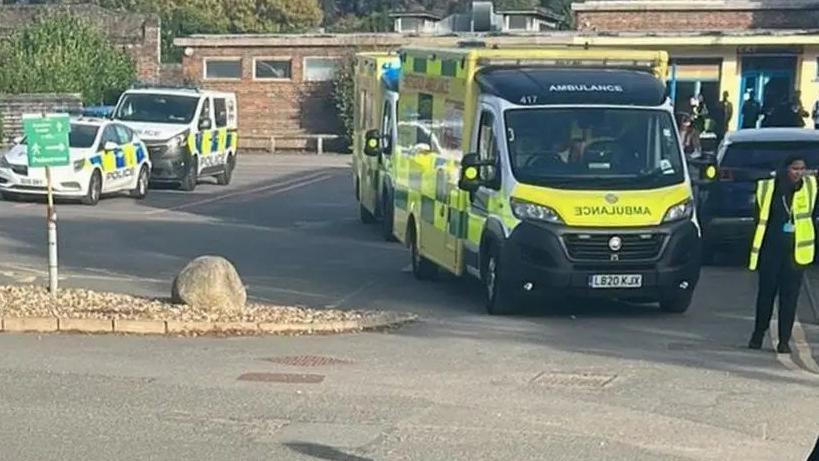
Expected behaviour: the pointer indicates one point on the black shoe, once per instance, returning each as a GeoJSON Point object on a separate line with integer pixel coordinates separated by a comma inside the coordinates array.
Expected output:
{"type": "Point", "coordinates": [783, 348]}
{"type": "Point", "coordinates": [756, 341]}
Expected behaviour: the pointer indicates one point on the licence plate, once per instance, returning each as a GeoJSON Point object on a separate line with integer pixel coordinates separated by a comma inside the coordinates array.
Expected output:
{"type": "Point", "coordinates": [616, 281]}
{"type": "Point", "coordinates": [31, 182]}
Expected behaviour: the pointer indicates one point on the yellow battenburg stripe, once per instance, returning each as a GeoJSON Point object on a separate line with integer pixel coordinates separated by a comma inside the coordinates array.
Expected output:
{"type": "Point", "coordinates": [207, 140]}
{"type": "Point", "coordinates": [222, 142]}
{"type": "Point", "coordinates": [109, 161]}
{"type": "Point", "coordinates": [191, 144]}
{"type": "Point", "coordinates": [234, 141]}
{"type": "Point", "coordinates": [130, 155]}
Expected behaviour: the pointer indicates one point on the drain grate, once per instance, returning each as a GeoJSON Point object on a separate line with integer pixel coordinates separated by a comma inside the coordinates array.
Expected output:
{"type": "Point", "coordinates": [574, 380]}
{"type": "Point", "coordinates": [307, 361]}
{"type": "Point", "coordinates": [287, 378]}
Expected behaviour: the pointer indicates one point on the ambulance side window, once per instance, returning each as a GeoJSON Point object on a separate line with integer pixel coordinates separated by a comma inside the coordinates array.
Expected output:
{"type": "Point", "coordinates": [220, 108]}
{"type": "Point", "coordinates": [124, 135]}
{"type": "Point", "coordinates": [108, 135]}
{"type": "Point", "coordinates": [386, 127]}
{"type": "Point", "coordinates": [488, 146]}
{"type": "Point", "coordinates": [204, 114]}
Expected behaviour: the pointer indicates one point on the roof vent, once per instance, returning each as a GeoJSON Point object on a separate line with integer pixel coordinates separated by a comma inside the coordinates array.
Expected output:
{"type": "Point", "coordinates": [482, 13]}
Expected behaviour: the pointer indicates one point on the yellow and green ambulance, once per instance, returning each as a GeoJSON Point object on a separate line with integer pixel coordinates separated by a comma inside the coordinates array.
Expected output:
{"type": "Point", "coordinates": [550, 170]}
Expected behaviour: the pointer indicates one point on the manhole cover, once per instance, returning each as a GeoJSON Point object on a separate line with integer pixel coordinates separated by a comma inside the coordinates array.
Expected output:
{"type": "Point", "coordinates": [288, 378]}
{"type": "Point", "coordinates": [307, 361]}
{"type": "Point", "coordinates": [574, 380]}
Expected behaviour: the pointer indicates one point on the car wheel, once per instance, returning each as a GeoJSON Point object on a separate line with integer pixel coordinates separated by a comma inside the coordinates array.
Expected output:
{"type": "Point", "coordinates": [191, 176]}
{"type": "Point", "coordinates": [422, 268]}
{"type": "Point", "coordinates": [676, 303]}
{"type": "Point", "coordinates": [224, 178]}
{"type": "Point", "coordinates": [92, 197]}
{"type": "Point", "coordinates": [499, 296]}
{"type": "Point", "coordinates": [141, 189]}
{"type": "Point", "coordinates": [387, 219]}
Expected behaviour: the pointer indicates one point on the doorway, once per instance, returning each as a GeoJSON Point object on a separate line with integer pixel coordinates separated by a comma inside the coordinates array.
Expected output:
{"type": "Point", "coordinates": [770, 79]}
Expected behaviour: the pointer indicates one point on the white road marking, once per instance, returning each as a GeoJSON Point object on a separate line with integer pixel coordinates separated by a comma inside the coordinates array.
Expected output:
{"type": "Point", "coordinates": [294, 183]}
{"type": "Point", "coordinates": [351, 295]}
{"type": "Point", "coordinates": [803, 349]}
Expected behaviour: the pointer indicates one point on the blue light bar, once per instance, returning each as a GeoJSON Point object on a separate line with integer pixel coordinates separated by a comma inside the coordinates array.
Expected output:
{"type": "Point", "coordinates": [391, 76]}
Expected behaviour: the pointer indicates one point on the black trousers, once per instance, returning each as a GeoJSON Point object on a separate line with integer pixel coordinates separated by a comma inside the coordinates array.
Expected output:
{"type": "Point", "coordinates": [778, 275]}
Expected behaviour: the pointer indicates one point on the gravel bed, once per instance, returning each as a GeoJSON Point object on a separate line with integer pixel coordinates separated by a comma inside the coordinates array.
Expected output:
{"type": "Point", "coordinates": [34, 301]}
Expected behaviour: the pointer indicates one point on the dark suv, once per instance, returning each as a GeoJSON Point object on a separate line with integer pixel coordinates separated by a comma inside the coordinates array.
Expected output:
{"type": "Point", "coordinates": [726, 206]}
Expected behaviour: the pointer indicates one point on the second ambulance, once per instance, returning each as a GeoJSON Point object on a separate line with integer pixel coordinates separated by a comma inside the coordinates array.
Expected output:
{"type": "Point", "coordinates": [551, 171]}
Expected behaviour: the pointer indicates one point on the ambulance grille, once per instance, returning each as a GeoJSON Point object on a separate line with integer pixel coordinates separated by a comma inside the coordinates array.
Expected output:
{"type": "Point", "coordinates": [595, 247]}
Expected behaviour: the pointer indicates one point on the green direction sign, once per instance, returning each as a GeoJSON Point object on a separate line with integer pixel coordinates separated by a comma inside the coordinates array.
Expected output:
{"type": "Point", "coordinates": [47, 139]}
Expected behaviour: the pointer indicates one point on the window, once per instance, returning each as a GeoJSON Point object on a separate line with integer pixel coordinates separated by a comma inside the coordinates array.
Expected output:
{"type": "Point", "coordinates": [204, 113]}
{"type": "Point", "coordinates": [157, 108]}
{"type": "Point", "coordinates": [272, 69]}
{"type": "Point", "coordinates": [223, 69]}
{"type": "Point", "coordinates": [449, 68]}
{"type": "Point", "coordinates": [766, 156]}
{"type": "Point", "coordinates": [109, 135]}
{"type": "Point", "coordinates": [82, 136]}
{"type": "Point", "coordinates": [319, 69]}
{"type": "Point", "coordinates": [220, 109]}
{"type": "Point", "coordinates": [124, 134]}
{"type": "Point", "coordinates": [386, 127]}
{"type": "Point", "coordinates": [518, 22]}
{"type": "Point", "coordinates": [423, 133]}
{"type": "Point", "coordinates": [487, 145]}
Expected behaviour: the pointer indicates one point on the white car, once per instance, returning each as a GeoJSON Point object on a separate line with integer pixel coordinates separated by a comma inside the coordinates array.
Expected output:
{"type": "Point", "coordinates": [106, 157]}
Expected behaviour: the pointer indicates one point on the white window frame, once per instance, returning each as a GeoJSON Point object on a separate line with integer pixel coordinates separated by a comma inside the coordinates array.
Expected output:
{"type": "Point", "coordinates": [304, 60]}
{"type": "Point", "coordinates": [288, 59]}
{"type": "Point", "coordinates": [205, 61]}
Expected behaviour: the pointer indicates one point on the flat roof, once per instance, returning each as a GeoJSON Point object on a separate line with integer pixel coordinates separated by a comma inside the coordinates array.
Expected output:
{"type": "Point", "coordinates": [713, 38]}
{"type": "Point", "coordinates": [693, 5]}
{"type": "Point", "coordinates": [772, 135]}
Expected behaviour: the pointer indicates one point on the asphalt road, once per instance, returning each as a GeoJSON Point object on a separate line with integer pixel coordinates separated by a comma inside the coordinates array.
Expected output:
{"type": "Point", "coordinates": [584, 380]}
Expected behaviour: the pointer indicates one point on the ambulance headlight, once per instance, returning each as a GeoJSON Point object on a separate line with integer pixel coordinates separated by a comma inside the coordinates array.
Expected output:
{"type": "Point", "coordinates": [682, 210]}
{"type": "Point", "coordinates": [527, 211]}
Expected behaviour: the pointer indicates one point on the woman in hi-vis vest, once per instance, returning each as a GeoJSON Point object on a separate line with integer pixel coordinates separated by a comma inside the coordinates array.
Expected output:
{"type": "Point", "coordinates": [783, 246]}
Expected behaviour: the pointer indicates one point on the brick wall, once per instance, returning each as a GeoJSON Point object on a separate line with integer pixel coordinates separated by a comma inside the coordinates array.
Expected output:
{"type": "Point", "coordinates": [290, 107]}
{"type": "Point", "coordinates": [710, 20]}
{"type": "Point", "coordinates": [12, 108]}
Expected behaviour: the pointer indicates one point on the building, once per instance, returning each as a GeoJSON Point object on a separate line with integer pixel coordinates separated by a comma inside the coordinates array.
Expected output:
{"type": "Point", "coordinates": [137, 34]}
{"type": "Point", "coordinates": [481, 17]}
{"type": "Point", "coordinates": [764, 48]}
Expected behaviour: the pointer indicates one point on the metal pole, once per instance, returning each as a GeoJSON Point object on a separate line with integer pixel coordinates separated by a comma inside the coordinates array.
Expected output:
{"type": "Point", "coordinates": [51, 218]}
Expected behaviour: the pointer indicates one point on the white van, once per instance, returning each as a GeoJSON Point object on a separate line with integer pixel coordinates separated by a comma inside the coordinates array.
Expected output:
{"type": "Point", "coordinates": [189, 132]}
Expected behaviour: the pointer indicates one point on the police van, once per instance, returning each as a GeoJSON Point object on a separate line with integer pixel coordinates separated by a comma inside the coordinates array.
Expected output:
{"type": "Point", "coordinates": [553, 171]}
{"type": "Point", "coordinates": [376, 98]}
{"type": "Point", "coordinates": [105, 157]}
{"type": "Point", "coordinates": [190, 133]}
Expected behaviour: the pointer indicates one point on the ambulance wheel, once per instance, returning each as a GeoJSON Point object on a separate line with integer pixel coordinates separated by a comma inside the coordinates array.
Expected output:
{"type": "Point", "coordinates": [92, 197]}
{"type": "Point", "coordinates": [191, 176]}
{"type": "Point", "coordinates": [223, 179]}
{"type": "Point", "coordinates": [500, 299]}
{"type": "Point", "coordinates": [422, 268]}
{"type": "Point", "coordinates": [365, 215]}
{"type": "Point", "coordinates": [141, 189]}
{"type": "Point", "coordinates": [387, 217]}
{"type": "Point", "coordinates": [676, 303]}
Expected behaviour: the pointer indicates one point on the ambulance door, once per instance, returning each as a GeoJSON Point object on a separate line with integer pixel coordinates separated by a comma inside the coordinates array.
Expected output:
{"type": "Point", "coordinates": [485, 139]}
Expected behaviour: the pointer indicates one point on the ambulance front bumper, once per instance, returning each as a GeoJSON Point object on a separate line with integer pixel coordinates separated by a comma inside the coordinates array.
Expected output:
{"type": "Point", "coordinates": [560, 260]}
{"type": "Point", "coordinates": [65, 182]}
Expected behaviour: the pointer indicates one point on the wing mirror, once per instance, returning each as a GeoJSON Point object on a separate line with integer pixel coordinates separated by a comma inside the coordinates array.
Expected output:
{"type": "Point", "coordinates": [372, 143]}
{"type": "Point", "coordinates": [109, 146]}
{"type": "Point", "coordinates": [471, 173]}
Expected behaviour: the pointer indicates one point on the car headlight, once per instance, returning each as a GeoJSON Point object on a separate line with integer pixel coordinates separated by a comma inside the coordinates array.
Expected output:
{"type": "Point", "coordinates": [79, 164]}
{"type": "Point", "coordinates": [682, 210]}
{"type": "Point", "coordinates": [533, 212]}
{"type": "Point", "coordinates": [4, 162]}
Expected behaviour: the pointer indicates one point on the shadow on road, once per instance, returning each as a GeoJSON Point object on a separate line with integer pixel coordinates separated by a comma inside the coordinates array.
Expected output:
{"type": "Point", "coordinates": [323, 452]}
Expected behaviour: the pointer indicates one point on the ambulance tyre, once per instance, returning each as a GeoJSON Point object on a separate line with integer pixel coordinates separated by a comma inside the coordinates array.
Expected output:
{"type": "Point", "coordinates": [92, 197]}
{"type": "Point", "coordinates": [140, 191]}
{"type": "Point", "coordinates": [387, 217]}
{"type": "Point", "coordinates": [223, 179]}
{"type": "Point", "coordinates": [422, 268]}
{"type": "Point", "coordinates": [500, 299]}
{"type": "Point", "coordinates": [191, 176]}
{"type": "Point", "coordinates": [676, 303]}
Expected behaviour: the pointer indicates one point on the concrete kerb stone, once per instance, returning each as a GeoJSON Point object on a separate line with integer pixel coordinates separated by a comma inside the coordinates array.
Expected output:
{"type": "Point", "coordinates": [161, 327]}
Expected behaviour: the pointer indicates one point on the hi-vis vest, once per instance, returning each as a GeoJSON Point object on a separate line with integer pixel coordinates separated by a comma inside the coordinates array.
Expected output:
{"type": "Point", "coordinates": [802, 208]}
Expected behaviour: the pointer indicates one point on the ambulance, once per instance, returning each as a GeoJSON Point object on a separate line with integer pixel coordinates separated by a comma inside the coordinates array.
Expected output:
{"type": "Point", "coordinates": [554, 171]}
{"type": "Point", "coordinates": [190, 132]}
{"type": "Point", "coordinates": [376, 99]}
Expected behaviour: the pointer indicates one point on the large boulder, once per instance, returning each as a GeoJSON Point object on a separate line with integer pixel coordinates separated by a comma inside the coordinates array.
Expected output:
{"type": "Point", "coordinates": [210, 282]}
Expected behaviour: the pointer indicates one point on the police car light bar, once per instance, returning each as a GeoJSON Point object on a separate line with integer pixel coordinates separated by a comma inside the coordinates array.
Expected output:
{"type": "Point", "coordinates": [597, 63]}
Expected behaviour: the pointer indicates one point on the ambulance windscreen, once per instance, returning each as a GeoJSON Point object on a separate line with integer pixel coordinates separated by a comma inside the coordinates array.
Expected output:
{"type": "Point", "coordinates": [594, 148]}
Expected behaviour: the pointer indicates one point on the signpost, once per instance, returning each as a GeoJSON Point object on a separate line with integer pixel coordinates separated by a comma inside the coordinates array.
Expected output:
{"type": "Point", "coordinates": [47, 146]}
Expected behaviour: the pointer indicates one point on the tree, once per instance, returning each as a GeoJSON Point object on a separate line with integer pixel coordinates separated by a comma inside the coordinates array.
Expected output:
{"type": "Point", "coordinates": [59, 52]}
{"type": "Point", "coordinates": [344, 96]}
{"type": "Point", "coordinates": [255, 16]}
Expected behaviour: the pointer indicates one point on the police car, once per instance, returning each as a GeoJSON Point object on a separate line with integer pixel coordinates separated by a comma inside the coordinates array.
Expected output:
{"type": "Point", "coordinates": [106, 157]}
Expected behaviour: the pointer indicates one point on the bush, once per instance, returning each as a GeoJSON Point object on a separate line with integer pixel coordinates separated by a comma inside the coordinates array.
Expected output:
{"type": "Point", "coordinates": [63, 53]}
{"type": "Point", "coordinates": [344, 96]}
